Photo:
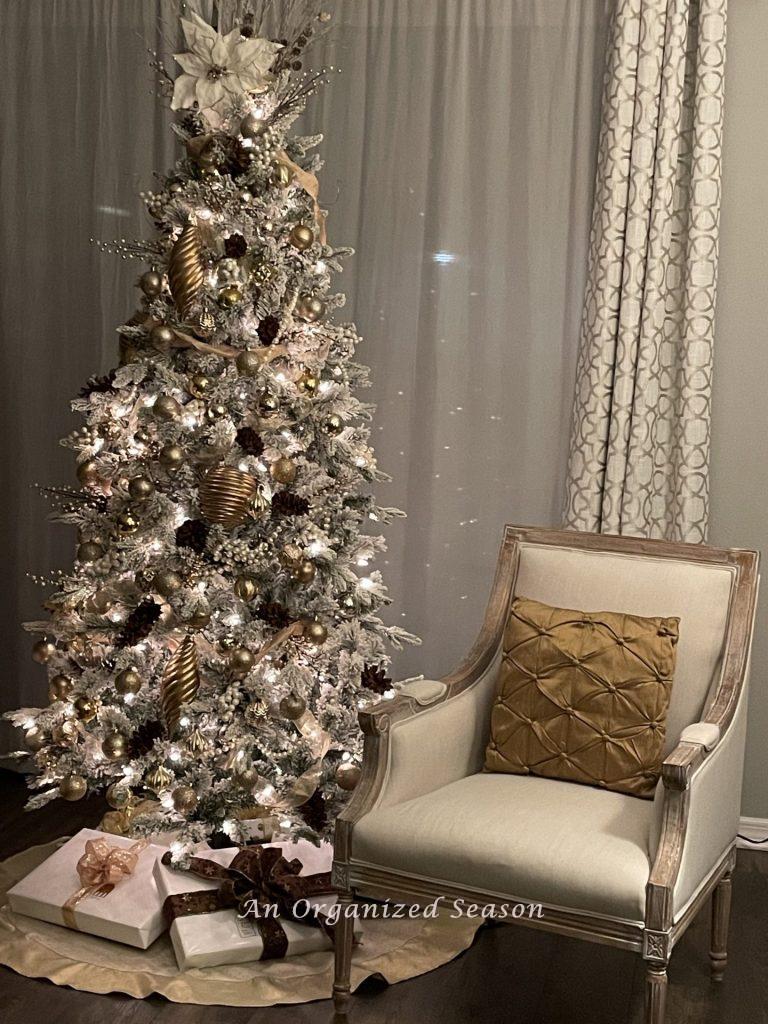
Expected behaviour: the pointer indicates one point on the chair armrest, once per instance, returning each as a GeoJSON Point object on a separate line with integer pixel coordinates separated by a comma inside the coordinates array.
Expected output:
{"type": "Point", "coordinates": [431, 733]}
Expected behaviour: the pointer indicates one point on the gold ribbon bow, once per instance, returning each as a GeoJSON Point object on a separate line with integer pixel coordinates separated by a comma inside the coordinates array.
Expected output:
{"type": "Point", "coordinates": [100, 869]}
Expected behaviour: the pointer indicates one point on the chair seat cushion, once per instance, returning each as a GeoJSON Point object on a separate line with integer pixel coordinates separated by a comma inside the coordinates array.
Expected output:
{"type": "Point", "coordinates": [523, 837]}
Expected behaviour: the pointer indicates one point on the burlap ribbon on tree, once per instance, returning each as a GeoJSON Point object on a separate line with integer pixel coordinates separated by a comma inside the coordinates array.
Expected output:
{"type": "Point", "coordinates": [257, 880]}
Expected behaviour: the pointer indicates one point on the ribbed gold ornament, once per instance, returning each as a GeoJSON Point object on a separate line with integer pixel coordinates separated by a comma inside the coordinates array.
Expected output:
{"type": "Point", "coordinates": [225, 496]}
{"type": "Point", "coordinates": [181, 681]}
{"type": "Point", "coordinates": [185, 270]}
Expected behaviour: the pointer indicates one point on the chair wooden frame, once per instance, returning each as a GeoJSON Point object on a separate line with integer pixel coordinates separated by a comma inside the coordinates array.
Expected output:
{"type": "Point", "coordinates": [655, 939]}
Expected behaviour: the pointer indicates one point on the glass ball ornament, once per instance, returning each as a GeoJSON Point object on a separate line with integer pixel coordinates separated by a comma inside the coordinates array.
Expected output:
{"type": "Point", "coordinates": [334, 424]}
{"type": "Point", "coordinates": [281, 176]}
{"type": "Point", "coordinates": [246, 588]}
{"type": "Point", "coordinates": [304, 571]}
{"type": "Point", "coordinates": [283, 470]}
{"type": "Point", "coordinates": [315, 632]}
{"type": "Point", "coordinates": [216, 412]}
{"type": "Point", "coordinates": [198, 385]}
{"type": "Point", "coordinates": [310, 308]}
{"type": "Point", "coordinates": [292, 707]}
{"type": "Point", "coordinates": [88, 473]}
{"type": "Point", "coordinates": [89, 551]}
{"type": "Point", "coordinates": [246, 778]}
{"type": "Point", "coordinates": [167, 582]}
{"type": "Point", "coordinates": [268, 404]}
{"type": "Point", "coordinates": [128, 681]}
{"type": "Point", "coordinates": [35, 739]}
{"type": "Point", "coordinates": [230, 296]}
{"type": "Point", "coordinates": [151, 283]}
{"type": "Point", "coordinates": [85, 709]}
{"type": "Point", "coordinates": [301, 237]}
{"type": "Point", "coordinates": [43, 651]}
{"type": "Point", "coordinates": [127, 523]}
{"type": "Point", "coordinates": [161, 337]}
{"type": "Point", "coordinates": [73, 787]}
{"type": "Point", "coordinates": [171, 457]}
{"type": "Point", "coordinates": [184, 799]}
{"type": "Point", "coordinates": [140, 488]}
{"type": "Point", "coordinates": [347, 776]}
{"type": "Point", "coordinates": [166, 408]}
{"type": "Point", "coordinates": [251, 125]}
{"type": "Point", "coordinates": [308, 382]}
{"type": "Point", "coordinates": [119, 796]}
{"type": "Point", "coordinates": [114, 746]}
{"type": "Point", "coordinates": [240, 662]}
{"type": "Point", "coordinates": [248, 363]}
{"type": "Point", "coordinates": [60, 687]}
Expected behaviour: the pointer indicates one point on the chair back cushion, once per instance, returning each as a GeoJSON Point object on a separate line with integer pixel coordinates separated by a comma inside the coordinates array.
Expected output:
{"type": "Point", "coordinates": [583, 696]}
{"type": "Point", "coordinates": [697, 593]}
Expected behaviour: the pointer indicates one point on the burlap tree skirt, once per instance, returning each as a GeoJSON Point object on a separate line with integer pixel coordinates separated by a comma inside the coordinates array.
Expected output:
{"type": "Point", "coordinates": [394, 949]}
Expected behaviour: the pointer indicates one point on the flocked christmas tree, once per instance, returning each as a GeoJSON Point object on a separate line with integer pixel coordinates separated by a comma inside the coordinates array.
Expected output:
{"type": "Point", "coordinates": [209, 651]}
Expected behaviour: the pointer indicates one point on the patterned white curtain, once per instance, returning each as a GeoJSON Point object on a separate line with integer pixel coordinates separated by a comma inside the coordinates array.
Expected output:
{"type": "Point", "coordinates": [640, 435]}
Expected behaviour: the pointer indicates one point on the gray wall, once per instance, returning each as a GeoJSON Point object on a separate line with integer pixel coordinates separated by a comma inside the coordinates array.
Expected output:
{"type": "Point", "coordinates": [740, 411]}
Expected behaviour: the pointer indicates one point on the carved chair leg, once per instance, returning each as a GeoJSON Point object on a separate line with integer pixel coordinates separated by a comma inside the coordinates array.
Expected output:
{"type": "Point", "coordinates": [343, 955]}
{"type": "Point", "coordinates": [655, 993]}
{"type": "Point", "coordinates": [721, 913]}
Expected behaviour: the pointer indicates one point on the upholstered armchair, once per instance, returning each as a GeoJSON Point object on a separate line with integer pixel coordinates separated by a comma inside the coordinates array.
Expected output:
{"type": "Point", "coordinates": [427, 821]}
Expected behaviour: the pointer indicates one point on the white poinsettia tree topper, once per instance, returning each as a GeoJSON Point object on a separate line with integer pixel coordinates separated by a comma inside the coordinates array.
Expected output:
{"type": "Point", "coordinates": [220, 69]}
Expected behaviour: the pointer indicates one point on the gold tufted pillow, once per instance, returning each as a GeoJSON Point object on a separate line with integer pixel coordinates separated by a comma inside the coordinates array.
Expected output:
{"type": "Point", "coordinates": [583, 697]}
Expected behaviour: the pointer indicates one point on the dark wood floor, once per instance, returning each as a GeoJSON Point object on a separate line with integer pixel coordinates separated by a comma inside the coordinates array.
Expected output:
{"type": "Point", "coordinates": [510, 975]}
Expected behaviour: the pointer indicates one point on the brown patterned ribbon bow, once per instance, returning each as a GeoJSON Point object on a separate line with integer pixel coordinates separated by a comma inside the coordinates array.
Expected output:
{"type": "Point", "coordinates": [101, 867]}
{"type": "Point", "coordinates": [258, 878]}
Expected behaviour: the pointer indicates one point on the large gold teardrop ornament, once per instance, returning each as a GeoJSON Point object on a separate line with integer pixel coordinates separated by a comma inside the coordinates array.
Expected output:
{"type": "Point", "coordinates": [225, 496]}
{"type": "Point", "coordinates": [186, 274]}
{"type": "Point", "coordinates": [181, 681]}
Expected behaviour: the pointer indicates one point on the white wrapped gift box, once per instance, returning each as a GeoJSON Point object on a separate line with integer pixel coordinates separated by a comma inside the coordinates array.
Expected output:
{"type": "Point", "coordinates": [222, 936]}
{"type": "Point", "coordinates": [131, 913]}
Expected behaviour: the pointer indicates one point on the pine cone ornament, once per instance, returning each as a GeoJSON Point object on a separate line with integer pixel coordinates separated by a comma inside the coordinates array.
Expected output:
{"type": "Point", "coordinates": [235, 246]}
{"type": "Point", "coordinates": [274, 614]}
{"type": "Point", "coordinates": [314, 811]}
{"type": "Point", "coordinates": [249, 441]}
{"type": "Point", "coordinates": [139, 623]}
{"type": "Point", "coordinates": [269, 328]}
{"type": "Point", "coordinates": [99, 385]}
{"type": "Point", "coordinates": [193, 534]}
{"type": "Point", "coordinates": [373, 677]}
{"type": "Point", "coordinates": [143, 739]}
{"type": "Point", "coordinates": [285, 503]}
{"type": "Point", "coordinates": [193, 124]}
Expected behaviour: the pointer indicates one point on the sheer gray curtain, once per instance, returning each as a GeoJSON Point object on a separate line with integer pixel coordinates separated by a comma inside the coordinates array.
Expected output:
{"type": "Point", "coordinates": [460, 147]}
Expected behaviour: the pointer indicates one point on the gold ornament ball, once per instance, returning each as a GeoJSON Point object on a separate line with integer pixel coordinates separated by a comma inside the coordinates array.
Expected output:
{"type": "Point", "coordinates": [87, 473]}
{"type": "Point", "coordinates": [230, 296]}
{"type": "Point", "coordinates": [167, 582]}
{"type": "Point", "coordinates": [35, 739]}
{"type": "Point", "coordinates": [281, 176]}
{"type": "Point", "coordinates": [199, 384]}
{"type": "Point", "coordinates": [267, 404]}
{"type": "Point", "coordinates": [215, 412]}
{"type": "Point", "coordinates": [166, 407]}
{"type": "Point", "coordinates": [113, 746]}
{"type": "Point", "coordinates": [43, 651]}
{"type": "Point", "coordinates": [198, 620]}
{"type": "Point", "coordinates": [292, 707]}
{"type": "Point", "coordinates": [73, 787]}
{"type": "Point", "coordinates": [161, 336]}
{"type": "Point", "coordinates": [240, 662]}
{"type": "Point", "coordinates": [310, 308]}
{"type": "Point", "coordinates": [60, 687]}
{"type": "Point", "coordinates": [184, 799]}
{"type": "Point", "coordinates": [65, 733]}
{"type": "Point", "coordinates": [305, 571]}
{"type": "Point", "coordinates": [89, 551]}
{"type": "Point", "coordinates": [283, 470]}
{"type": "Point", "coordinates": [128, 681]}
{"type": "Point", "coordinates": [250, 126]}
{"type": "Point", "coordinates": [347, 775]}
{"type": "Point", "coordinates": [85, 709]}
{"type": "Point", "coordinates": [308, 382]}
{"type": "Point", "coordinates": [245, 588]}
{"type": "Point", "coordinates": [248, 363]}
{"type": "Point", "coordinates": [315, 632]}
{"type": "Point", "coordinates": [301, 237]}
{"type": "Point", "coordinates": [246, 778]}
{"type": "Point", "coordinates": [127, 523]}
{"type": "Point", "coordinates": [118, 796]}
{"type": "Point", "coordinates": [140, 488]}
{"type": "Point", "coordinates": [151, 283]}
{"type": "Point", "coordinates": [334, 424]}
{"type": "Point", "coordinates": [171, 457]}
